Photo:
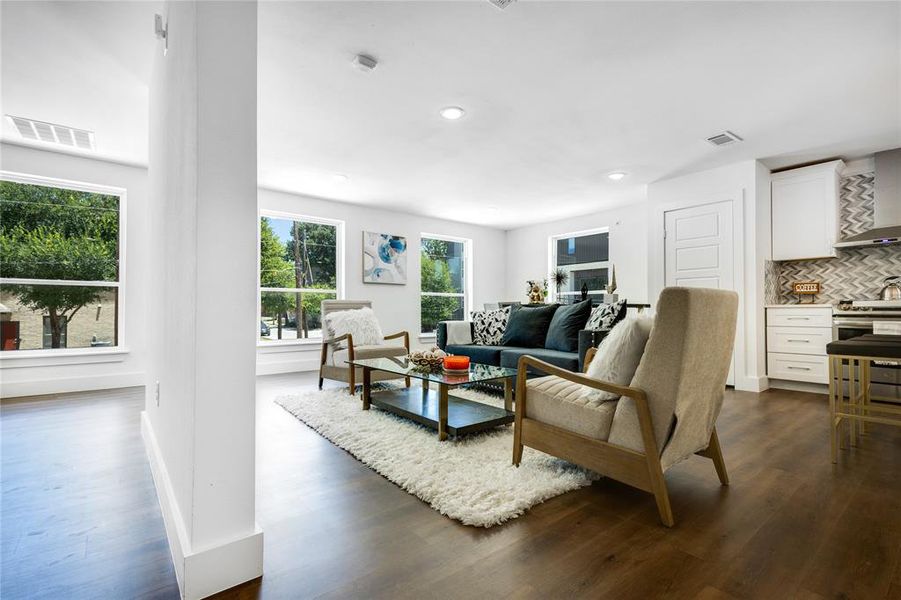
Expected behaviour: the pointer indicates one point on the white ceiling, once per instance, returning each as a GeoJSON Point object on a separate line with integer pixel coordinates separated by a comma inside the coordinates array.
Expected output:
{"type": "Point", "coordinates": [557, 94]}
{"type": "Point", "coordinates": [81, 64]}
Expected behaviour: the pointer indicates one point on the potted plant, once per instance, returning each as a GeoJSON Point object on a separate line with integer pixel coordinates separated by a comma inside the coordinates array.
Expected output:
{"type": "Point", "coordinates": [559, 278]}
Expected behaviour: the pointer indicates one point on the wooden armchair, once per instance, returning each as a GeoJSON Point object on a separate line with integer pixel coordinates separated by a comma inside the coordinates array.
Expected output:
{"type": "Point", "coordinates": [667, 414]}
{"type": "Point", "coordinates": [340, 349]}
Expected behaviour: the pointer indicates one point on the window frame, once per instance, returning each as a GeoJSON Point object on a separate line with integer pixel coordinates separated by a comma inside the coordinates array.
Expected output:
{"type": "Point", "coordinates": [552, 260]}
{"type": "Point", "coordinates": [279, 345]}
{"type": "Point", "coordinates": [467, 278]}
{"type": "Point", "coordinates": [119, 284]}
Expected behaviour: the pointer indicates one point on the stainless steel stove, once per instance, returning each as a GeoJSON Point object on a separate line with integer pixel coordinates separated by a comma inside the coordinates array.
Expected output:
{"type": "Point", "coordinates": [858, 317]}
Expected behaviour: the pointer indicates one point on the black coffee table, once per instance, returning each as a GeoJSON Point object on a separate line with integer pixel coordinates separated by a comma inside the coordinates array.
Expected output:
{"type": "Point", "coordinates": [449, 415]}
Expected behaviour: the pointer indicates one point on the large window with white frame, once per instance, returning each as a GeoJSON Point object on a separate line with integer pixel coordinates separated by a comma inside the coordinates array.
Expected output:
{"type": "Point", "coordinates": [585, 259]}
{"type": "Point", "coordinates": [444, 280]}
{"type": "Point", "coordinates": [61, 276]}
{"type": "Point", "coordinates": [301, 264]}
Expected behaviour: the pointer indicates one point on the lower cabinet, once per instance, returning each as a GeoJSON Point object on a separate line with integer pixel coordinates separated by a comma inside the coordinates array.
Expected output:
{"type": "Point", "coordinates": [796, 339]}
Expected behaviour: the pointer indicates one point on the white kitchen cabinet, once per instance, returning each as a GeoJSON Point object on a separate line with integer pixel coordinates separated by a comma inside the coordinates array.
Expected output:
{"type": "Point", "coordinates": [796, 338]}
{"type": "Point", "coordinates": [805, 211]}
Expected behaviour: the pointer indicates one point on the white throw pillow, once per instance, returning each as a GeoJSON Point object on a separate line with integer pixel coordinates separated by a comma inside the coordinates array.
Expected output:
{"type": "Point", "coordinates": [619, 354]}
{"type": "Point", "coordinates": [360, 323]}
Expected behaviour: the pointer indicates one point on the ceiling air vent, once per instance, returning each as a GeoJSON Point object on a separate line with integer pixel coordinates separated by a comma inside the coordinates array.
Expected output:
{"type": "Point", "coordinates": [502, 4]}
{"type": "Point", "coordinates": [723, 139]}
{"type": "Point", "coordinates": [51, 133]}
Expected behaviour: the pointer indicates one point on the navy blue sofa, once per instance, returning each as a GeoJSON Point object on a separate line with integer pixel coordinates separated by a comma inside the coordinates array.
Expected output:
{"type": "Point", "coordinates": [508, 356]}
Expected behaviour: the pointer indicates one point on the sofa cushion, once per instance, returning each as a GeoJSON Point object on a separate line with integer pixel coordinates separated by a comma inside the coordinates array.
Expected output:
{"type": "Point", "coordinates": [486, 355]}
{"type": "Point", "coordinates": [339, 357]}
{"type": "Point", "coordinates": [527, 326]}
{"type": "Point", "coordinates": [567, 322]}
{"type": "Point", "coordinates": [605, 315]}
{"type": "Point", "coordinates": [488, 326]}
{"type": "Point", "coordinates": [562, 403]}
{"type": "Point", "coordinates": [565, 360]}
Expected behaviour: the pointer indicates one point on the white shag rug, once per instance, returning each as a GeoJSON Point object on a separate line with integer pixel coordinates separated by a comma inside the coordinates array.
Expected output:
{"type": "Point", "coordinates": [470, 479]}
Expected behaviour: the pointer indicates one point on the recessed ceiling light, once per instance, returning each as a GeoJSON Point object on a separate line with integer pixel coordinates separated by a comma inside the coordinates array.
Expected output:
{"type": "Point", "coordinates": [452, 113]}
{"type": "Point", "coordinates": [340, 177]}
{"type": "Point", "coordinates": [616, 176]}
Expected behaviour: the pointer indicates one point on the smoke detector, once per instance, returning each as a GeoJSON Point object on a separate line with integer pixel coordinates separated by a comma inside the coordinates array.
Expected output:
{"type": "Point", "coordinates": [502, 4]}
{"type": "Point", "coordinates": [365, 63]}
{"type": "Point", "coordinates": [723, 139]}
{"type": "Point", "coordinates": [53, 133]}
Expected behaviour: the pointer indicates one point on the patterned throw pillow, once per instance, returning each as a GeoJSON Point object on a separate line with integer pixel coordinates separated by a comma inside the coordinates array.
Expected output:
{"type": "Point", "coordinates": [603, 316]}
{"type": "Point", "coordinates": [489, 326]}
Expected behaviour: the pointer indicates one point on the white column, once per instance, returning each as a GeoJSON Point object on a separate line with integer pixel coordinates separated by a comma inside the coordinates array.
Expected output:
{"type": "Point", "coordinates": [203, 176]}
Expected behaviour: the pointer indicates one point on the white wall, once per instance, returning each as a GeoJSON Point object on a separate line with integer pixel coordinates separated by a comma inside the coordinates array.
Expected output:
{"type": "Point", "coordinates": [527, 250]}
{"type": "Point", "coordinates": [199, 432]}
{"type": "Point", "coordinates": [746, 183]}
{"type": "Point", "coordinates": [28, 376]}
{"type": "Point", "coordinates": [397, 306]}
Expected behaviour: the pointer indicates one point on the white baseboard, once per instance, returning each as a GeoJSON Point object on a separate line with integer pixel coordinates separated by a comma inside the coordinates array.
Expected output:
{"type": "Point", "coordinates": [65, 385]}
{"type": "Point", "coordinates": [207, 571]}
{"type": "Point", "coordinates": [287, 366]}
{"type": "Point", "coordinates": [753, 384]}
{"type": "Point", "coordinates": [799, 386]}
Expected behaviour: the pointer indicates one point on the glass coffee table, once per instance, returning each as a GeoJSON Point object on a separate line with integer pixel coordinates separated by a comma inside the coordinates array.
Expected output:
{"type": "Point", "coordinates": [449, 415]}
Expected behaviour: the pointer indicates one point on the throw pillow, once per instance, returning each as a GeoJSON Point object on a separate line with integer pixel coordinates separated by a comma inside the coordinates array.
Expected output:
{"type": "Point", "coordinates": [489, 325]}
{"type": "Point", "coordinates": [604, 316]}
{"type": "Point", "coordinates": [568, 321]}
{"type": "Point", "coordinates": [528, 325]}
{"type": "Point", "coordinates": [619, 354]}
{"type": "Point", "coordinates": [360, 323]}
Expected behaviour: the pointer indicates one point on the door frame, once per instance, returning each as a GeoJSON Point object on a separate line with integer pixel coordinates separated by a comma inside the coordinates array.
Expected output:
{"type": "Point", "coordinates": [657, 268]}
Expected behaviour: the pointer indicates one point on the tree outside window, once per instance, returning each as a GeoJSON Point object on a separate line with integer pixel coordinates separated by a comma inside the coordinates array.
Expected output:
{"type": "Point", "coordinates": [59, 266]}
{"type": "Point", "coordinates": [298, 270]}
{"type": "Point", "coordinates": [442, 282]}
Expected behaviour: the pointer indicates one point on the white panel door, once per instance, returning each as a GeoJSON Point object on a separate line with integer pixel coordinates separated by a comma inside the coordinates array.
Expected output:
{"type": "Point", "coordinates": [699, 248]}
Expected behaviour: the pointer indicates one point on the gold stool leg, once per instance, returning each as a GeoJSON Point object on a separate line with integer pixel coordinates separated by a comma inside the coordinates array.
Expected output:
{"type": "Point", "coordinates": [833, 438]}
{"type": "Point", "coordinates": [853, 392]}
{"type": "Point", "coordinates": [866, 394]}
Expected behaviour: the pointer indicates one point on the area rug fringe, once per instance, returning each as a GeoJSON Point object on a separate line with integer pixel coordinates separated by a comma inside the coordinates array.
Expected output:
{"type": "Point", "coordinates": [469, 479]}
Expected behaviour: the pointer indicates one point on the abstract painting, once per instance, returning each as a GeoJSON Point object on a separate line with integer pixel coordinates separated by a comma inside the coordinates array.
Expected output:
{"type": "Point", "coordinates": [384, 258]}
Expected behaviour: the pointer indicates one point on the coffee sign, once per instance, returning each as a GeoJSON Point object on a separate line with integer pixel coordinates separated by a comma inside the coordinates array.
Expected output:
{"type": "Point", "coordinates": [806, 288]}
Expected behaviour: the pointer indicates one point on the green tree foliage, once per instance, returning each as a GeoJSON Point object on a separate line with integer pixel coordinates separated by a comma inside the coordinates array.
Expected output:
{"type": "Point", "coordinates": [54, 233]}
{"type": "Point", "coordinates": [306, 260]}
{"type": "Point", "coordinates": [436, 277]}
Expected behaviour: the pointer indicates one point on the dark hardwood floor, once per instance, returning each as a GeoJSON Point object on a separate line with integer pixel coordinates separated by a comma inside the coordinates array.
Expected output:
{"type": "Point", "coordinates": [791, 525]}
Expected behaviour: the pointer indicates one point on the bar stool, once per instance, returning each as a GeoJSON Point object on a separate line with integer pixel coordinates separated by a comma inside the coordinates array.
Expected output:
{"type": "Point", "coordinates": [856, 406]}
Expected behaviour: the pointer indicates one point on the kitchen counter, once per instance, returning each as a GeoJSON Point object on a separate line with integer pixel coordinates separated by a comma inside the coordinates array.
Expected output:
{"type": "Point", "coordinates": [798, 306]}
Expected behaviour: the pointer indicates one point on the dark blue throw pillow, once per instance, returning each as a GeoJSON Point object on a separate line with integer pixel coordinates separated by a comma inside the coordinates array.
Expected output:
{"type": "Point", "coordinates": [527, 326]}
{"type": "Point", "coordinates": [568, 321]}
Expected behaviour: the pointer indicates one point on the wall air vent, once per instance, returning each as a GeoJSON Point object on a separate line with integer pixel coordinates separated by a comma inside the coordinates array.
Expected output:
{"type": "Point", "coordinates": [502, 4]}
{"type": "Point", "coordinates": [723, 139]}
{"type": "Point", "coordinates": [51, 133]}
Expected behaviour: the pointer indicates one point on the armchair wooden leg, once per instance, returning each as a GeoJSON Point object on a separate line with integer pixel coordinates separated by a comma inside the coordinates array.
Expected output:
{"type": "Point", "coordinates": [351, 380]}
{"type": "Point", "coordinates": [520, 414]}
{"type": "Point", "coordinates": [661, 495]}
{"type": "Point", "coordinates": [320, 380]}
{"type": "Point", "coordinates": [716, 455]}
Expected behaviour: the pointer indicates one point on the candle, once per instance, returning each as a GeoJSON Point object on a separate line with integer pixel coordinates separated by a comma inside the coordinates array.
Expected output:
{"type": "Point", "coordinates": [456, 363]}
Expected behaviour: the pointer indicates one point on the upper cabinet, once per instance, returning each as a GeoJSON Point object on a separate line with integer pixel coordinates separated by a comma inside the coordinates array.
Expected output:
{"type": "Point", "coordinates": [805, 211]}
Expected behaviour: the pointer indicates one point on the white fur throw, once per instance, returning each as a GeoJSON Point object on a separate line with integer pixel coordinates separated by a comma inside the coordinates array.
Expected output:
{"type": "Point", "coordinates": [619, 354]}
{"type": "Point", "coordinates": [360, 323]}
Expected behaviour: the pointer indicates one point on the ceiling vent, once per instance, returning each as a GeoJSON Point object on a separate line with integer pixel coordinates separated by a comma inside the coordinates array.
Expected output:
{"type": "Point", "coordinates": [502, 4]}
{"type": "Point", "coordinates": [723, 139]}
{"type": "Point", "coordinates": [51, 133]}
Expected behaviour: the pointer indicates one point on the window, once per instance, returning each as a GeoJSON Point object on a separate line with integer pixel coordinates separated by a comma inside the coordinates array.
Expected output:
{"type": "Point", "coordinates": [300, 266]}
{"type": "Point", "coordinates": [584, 258]}
{"type": "Point", "coordinates": [444, 271]}
{"type": "Point", "coordinates": [60, 275]}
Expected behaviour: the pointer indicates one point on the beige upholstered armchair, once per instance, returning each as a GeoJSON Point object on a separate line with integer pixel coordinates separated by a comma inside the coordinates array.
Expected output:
{"type": "Point", "coordinates": [336, 352]}
{"type": "Point", "coordinates": [667, 413]}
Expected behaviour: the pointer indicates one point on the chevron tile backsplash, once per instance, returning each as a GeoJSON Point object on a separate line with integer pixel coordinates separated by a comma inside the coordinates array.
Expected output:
{"type": "Point", "coordinates": [856, 273]}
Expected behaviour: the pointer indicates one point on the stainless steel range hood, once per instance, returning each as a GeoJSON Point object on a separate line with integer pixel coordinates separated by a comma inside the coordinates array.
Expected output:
{"type": "Point", "coordinates": [887, 210]}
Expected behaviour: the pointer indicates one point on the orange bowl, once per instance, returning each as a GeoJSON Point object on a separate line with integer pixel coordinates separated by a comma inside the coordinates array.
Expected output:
{"type": "Point", "coordinates": [456, 363]}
